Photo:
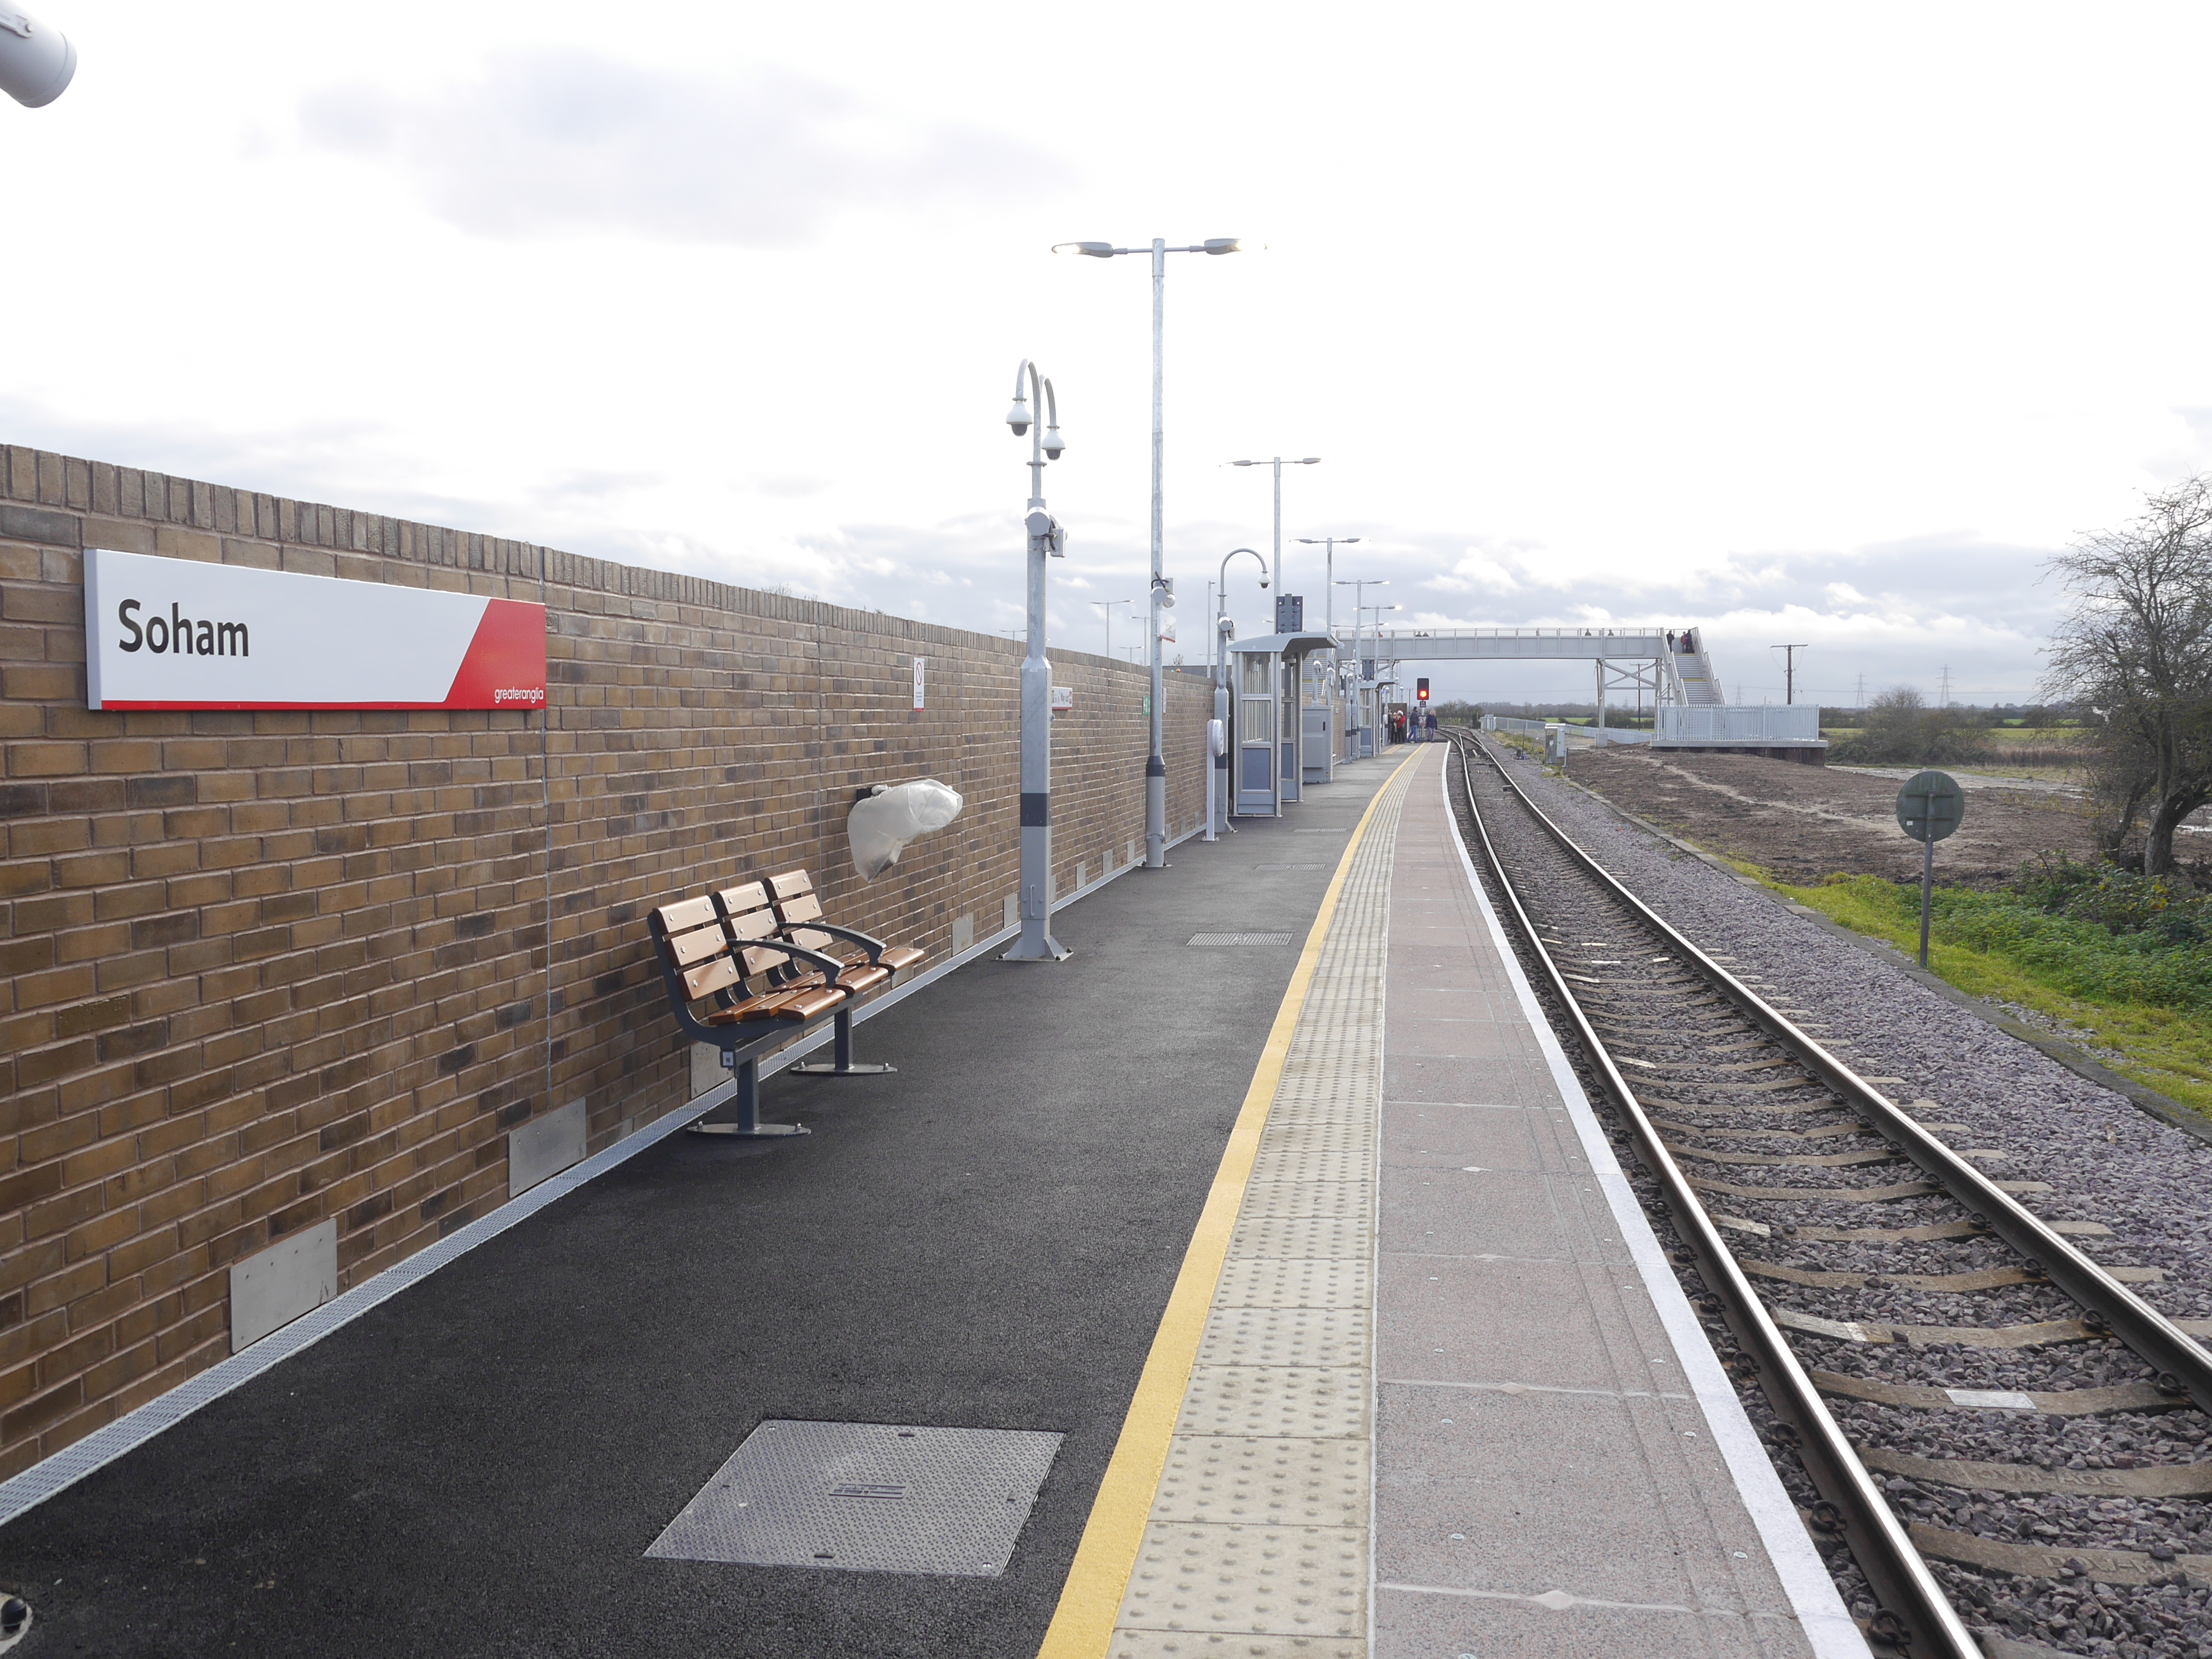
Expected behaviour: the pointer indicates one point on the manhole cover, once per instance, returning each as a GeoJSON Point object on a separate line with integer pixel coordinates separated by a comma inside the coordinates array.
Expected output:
{"type": "Point", "coordinates": [1240, 939]}
{"type": "Point", "coordinates": [866, 1496]}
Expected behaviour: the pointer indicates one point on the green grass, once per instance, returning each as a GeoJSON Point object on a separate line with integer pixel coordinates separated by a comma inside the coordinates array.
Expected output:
{"type": "Point", "coordinates": [2145, 996]}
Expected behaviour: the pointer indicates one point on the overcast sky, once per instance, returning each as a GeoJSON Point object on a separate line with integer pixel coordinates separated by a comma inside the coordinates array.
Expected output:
{"type": "Point", "coordinates": [1825, 327]}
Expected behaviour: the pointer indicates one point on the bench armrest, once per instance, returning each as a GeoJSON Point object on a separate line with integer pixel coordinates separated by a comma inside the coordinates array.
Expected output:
{"type": "Point", "coordinates": [873, 946]}
{"type": "Point", "coordinates": [829, 965]}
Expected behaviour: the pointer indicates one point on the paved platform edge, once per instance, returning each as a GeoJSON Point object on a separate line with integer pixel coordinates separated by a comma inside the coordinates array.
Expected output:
{"type": "Point", "coordinates": [1088, 1620]}
{"type": "Point", "coordinates": [1813, 1596]}
{"type": "Point", "coordinates": [52, 1475]}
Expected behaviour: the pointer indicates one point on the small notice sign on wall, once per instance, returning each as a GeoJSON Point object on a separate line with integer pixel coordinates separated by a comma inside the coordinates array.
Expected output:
{"type": "Point", "coordinates": [918, 662]}
{"type": "Point", "coordinates": [179, 634]}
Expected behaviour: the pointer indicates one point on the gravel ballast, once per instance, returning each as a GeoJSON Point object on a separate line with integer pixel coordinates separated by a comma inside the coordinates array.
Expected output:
{"type": "Point", "coordinates": [2105, 1162]}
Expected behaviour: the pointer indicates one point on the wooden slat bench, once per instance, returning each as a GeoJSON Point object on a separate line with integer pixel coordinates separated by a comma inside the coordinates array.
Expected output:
{"type": "Point", "coordinates": [739, 977]}
{"type": "Point", "coordinates": [799, 910]}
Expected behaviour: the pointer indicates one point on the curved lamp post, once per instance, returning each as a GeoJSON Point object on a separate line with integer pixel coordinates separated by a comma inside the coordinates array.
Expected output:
{"type": "Point", "coordinates": [1216, 779]}
{"type": "Point", "coordinates": [1046, 540]}
{"type": "Point", "coordinates": [1156, 770]}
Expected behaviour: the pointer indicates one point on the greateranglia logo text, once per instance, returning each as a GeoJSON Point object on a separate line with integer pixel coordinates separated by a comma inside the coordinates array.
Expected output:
{"type": "Point", "coordinates": [177, 634]}
{"type": "Point", "coordinates": [518, 694]}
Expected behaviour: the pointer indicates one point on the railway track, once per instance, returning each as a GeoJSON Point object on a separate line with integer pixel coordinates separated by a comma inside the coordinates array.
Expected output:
{"type": "Point", "coordinates": [1997, 1430]}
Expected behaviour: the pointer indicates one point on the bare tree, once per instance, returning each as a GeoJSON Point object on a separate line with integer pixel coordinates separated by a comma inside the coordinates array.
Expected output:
{"type": "Point", "coordinates": [2136, 647]}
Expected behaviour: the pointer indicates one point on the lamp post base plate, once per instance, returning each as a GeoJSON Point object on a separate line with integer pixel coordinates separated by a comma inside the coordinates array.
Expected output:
{"type": "Point", "coordinates": [759, 1131]}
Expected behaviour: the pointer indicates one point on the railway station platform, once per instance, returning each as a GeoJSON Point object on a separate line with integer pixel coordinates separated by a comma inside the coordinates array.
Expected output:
{"type": "Point", "coordinates": [1264, 1257]}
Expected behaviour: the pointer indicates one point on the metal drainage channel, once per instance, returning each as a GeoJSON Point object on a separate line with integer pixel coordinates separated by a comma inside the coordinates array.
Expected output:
{"type": "Point", "coordinates": [1916, 1617]}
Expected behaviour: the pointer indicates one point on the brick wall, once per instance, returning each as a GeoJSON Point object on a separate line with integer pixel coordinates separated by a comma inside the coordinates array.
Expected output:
{"type": "Point", "coordinates": [268, 969]}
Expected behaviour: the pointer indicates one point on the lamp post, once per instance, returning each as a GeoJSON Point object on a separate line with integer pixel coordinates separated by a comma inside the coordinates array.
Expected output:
{"type": "Point", "coordinates": [1358, 586]}
{"type": "Point", "coordinates": [1217, 777]}
{"type": "Point", "coordinates": [1279, 463]}
{"type": "Point", "coordinates": [1329, 597]}
{"type": "Point", "coordinates": [1377, 692]}
{"type": "Point", "coordinates": [1106, 610]}
{"type": "Point", "coordinates": [1156, 770]}
{"type": "Point", "coordinates": [1046, 540]}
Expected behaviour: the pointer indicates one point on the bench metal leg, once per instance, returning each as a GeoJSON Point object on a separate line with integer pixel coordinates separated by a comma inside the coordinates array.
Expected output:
{"type": "Point", "coordinates": [747, 1122]}
{"type": "Point", "coordinates": [843, 1050]}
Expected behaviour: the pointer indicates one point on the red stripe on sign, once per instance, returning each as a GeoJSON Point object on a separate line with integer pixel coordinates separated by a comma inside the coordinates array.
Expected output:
{"type": "Point", "coordinates": [505, 664]}
{"type": "Point", "coordinates": [173, 702]}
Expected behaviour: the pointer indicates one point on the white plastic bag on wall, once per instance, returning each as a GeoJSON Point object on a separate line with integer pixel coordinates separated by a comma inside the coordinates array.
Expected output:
{"type": "Point", "coordinates": [880, 825]}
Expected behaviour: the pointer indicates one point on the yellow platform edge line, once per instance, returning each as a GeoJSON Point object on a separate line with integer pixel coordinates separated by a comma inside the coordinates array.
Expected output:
{"type": "Point", "coordinates": [1083, 1623]}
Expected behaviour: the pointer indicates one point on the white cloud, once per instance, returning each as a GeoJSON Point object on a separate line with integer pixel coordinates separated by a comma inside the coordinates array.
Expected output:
{"type": "Point", "coordinates": [549, 142]}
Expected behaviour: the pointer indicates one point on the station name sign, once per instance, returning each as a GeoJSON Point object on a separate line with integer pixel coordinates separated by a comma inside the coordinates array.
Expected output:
{"type": "Point", "coordinates": [178, 633]}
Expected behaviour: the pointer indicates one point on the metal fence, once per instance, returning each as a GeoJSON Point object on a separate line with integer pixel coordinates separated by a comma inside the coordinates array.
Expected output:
{"type": "Point", "coordinates": [1738, 723]}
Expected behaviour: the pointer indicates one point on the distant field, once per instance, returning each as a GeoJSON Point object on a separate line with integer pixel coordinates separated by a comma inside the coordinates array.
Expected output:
{"type": "Point", "coordinates": [2047, 754]}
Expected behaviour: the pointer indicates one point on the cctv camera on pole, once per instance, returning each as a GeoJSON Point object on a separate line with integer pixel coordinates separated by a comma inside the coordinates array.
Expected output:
{"type": "Point", "coordinates": [36, 60]}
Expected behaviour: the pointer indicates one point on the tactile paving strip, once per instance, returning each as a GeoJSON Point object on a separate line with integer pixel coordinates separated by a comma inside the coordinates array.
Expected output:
{"type": "Point", "coordinates": [1302, 1237]}
{"type": "Point", "coordinates": [1269, 1581]}
{"type": "Point", "coordinates": [1285, 1336]}
{"type": "Point", "coordinates": [1256, 1547]}
{"type": "Point", "coordinates": [1277, 1399]}
{"type": "Point", "coordinates": [1310, 1481]}
{"type": "Point", "coordinates": [1278, 1161]}
{"type": "Point", "coordinates": [1294, 1282]}
{"type": "Point", "coordinates": [1213, 1644]}
{"type": "Point", "coordinates": [1348, 1201]}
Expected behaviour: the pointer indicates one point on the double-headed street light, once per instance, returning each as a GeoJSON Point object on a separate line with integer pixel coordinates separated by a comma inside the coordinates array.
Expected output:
{"type": "Point", "coordinates": [1106, 610]}
{"type": "Point", "coordinates": [1279, 463]}
{"type": "Point", "coordinates": [1217, 776]}
{"type": "Point", "coordinates": [1156, 770]}
{"type": "Point", "coordinates": [1033, 396]}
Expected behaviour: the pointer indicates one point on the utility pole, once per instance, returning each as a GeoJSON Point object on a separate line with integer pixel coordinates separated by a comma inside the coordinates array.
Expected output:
{"type": "Point", "coordinates": [1789, 669]}
{"type": "Point", "coordinates": [1943, 701]}
{"type": "Point", "coordinates": [1862, 691]}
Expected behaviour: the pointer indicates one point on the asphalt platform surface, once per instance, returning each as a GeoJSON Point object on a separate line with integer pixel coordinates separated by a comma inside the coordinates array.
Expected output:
{"type": "Point", "coordinates": [984, 1240]}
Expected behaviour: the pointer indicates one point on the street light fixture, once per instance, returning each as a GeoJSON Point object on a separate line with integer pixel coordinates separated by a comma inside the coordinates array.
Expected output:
{"type": "Point", "coordinates": [1217, 778]}
{"type": "Point", "coordinates": [1106, 610]}
{"type": "Point", "coordinates": [36, 61]}
{"type": "Point", "coordinates": [1156, 770]}
{"type": "Point", "coordinates": [1046, 540]}
{"type": "Point", "coordinates": [1279, 463]}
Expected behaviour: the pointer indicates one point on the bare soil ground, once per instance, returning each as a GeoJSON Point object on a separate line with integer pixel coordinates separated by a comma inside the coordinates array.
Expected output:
{"type": "Point", "coordinates": [1804, 822]}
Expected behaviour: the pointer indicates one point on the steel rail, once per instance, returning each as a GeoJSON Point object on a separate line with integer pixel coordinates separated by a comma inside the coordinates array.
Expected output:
{"type": "Point", "coordinates": [2184, 1366]}
{"type": "Point", "coordinates": [1915, 1616]}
